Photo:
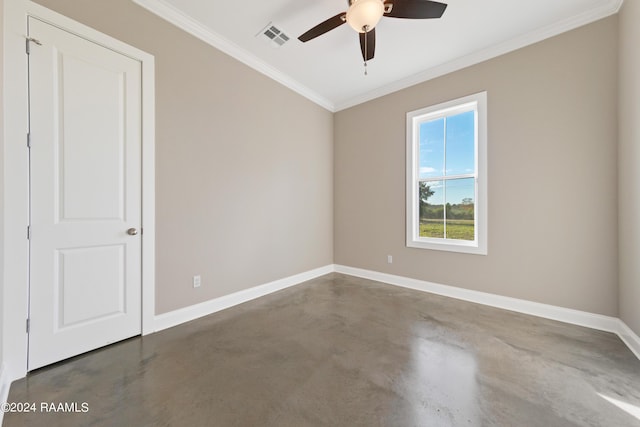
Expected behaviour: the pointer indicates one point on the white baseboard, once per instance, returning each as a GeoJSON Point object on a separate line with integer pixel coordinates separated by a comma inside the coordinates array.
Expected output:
{"type": "Point", "coordinates": [567, 315]}
{"type": "Point", "coordinates": [561, 314]}
{"type": "Point", "coordinates": [5, 384]}
{"type": "Point", "coordinates": [176, 317]}
{"type": "Point", "coordinates": [576, 317]}
{"type": "Point", "coordinates": [629, 338]}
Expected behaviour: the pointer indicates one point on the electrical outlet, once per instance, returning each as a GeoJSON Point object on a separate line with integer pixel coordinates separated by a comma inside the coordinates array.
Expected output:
{"type": "Point", "coordinates": [197, 281]}
{"type": "Point", "coordinates": [389, 259]}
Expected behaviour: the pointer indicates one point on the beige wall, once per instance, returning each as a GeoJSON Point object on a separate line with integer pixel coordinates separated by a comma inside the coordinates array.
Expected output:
{"type": "Point", "coordinates": [243, 164]}
{"type": "Point", "coordinates": [552, 123]}
{"type": "Point", "coordinates": [244, 170]}
{"type": "Point", "coordinates": [629, 162]}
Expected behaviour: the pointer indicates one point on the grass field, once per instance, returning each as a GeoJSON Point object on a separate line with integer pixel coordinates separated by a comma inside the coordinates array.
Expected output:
{"type": "Point", "coordinates": [460, 229]}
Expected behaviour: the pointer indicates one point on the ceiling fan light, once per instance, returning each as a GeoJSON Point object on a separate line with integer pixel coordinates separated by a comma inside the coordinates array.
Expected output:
{"type": "Point", "coordinates": [365, 14]}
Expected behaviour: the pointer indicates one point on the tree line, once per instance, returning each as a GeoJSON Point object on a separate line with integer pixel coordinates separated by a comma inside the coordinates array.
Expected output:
{"type": "Point", "coordinates": [463, 210]}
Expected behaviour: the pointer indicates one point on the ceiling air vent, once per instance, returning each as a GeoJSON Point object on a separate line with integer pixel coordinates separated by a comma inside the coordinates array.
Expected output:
{"type": "Point", "coordinates": [274, 35]}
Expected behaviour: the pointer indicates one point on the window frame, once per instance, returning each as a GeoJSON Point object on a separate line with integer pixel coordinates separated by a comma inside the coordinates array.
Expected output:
{"type": "Point", "coordinates": [476, 102]}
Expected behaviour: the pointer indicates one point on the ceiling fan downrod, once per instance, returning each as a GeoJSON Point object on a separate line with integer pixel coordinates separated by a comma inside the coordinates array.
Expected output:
{"type": "Point", "coordinates": [366, 50]}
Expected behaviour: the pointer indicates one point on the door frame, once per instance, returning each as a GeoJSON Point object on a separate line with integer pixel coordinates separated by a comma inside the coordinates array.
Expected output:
{"type": "Point", "coordinates": [14, 204]}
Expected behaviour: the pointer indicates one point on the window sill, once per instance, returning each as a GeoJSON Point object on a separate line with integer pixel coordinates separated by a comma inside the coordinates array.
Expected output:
{"type": "Point", "coordinates": [449, 246]}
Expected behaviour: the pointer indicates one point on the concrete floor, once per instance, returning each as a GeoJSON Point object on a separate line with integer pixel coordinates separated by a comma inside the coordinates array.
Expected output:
{"type": "Point", "coordinates": [342, 351]}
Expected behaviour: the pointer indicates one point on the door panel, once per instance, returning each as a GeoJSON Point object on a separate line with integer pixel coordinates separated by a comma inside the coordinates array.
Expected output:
{"type": "Point", "coordinates": [93, 109]}
{"type": "Point", "coordinates": [90, 285]}
{"type": "Point", "coordinates": [85, 159]}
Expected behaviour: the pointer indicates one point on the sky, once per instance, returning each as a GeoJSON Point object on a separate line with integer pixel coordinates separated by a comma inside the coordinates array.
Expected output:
{"type": "Point", "coordinates": [447, 148]}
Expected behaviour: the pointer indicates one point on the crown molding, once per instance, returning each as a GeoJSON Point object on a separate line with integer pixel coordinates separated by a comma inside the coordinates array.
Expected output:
{"type": "Point", "coordinates": [610, 8]}
{"type": "Point", "coordinates": [174, 16]}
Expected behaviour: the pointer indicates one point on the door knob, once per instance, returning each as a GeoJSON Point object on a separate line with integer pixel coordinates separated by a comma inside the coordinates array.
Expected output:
{"type": "Point", "coordinates": [132, 232]}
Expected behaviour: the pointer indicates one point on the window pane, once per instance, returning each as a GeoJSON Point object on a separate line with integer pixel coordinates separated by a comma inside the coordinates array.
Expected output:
{"type": "Point", "coordinates": [460, 209]}
{"type": "Point", "coordinates": [431, 157]}
{"type": "Point", "coordinates": [431, 196]}
{"type": "Point", "coordinates": [460, 147]}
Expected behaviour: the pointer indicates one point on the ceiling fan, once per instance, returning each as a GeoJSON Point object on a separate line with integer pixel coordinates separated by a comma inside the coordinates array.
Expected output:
{"type": "Point", "coordinates": [363, 16]}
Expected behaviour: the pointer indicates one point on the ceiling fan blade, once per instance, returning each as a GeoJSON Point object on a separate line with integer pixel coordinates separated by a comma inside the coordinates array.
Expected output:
{"type": "Point", "coordinates": [368, 44]}
{"type": "Point", "coordinates": [324, 27]}
{"type": "Point", "coordinates": [415, 9]}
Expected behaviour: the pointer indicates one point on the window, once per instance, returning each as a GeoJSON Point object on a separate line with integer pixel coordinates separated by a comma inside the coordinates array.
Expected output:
{"type": "Point", "coordinates": [446, 176]}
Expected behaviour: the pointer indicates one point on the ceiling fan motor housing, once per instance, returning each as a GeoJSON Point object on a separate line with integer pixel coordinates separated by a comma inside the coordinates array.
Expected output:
{"type": "Point", "coordinates": [364, 15]}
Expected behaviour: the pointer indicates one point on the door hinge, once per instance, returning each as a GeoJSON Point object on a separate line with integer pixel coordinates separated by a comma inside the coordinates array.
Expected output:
{"type": "Point", "coordinates": [28, 232]}
{"type": "Point", "coordinates": [28, 325]}
{"type": "Point", "coordinates": [29, 40]}
{"type": "Point", "coordinates": [29, 140]}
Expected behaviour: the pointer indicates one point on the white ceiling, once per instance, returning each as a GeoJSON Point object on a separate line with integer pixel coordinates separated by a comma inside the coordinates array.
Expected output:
{"type": "Point", "coordinates": [329, 69]}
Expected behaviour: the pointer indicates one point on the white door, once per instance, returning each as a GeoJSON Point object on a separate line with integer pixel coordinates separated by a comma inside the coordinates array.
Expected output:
{"type": "Point", "coordinates": [85, 162]}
